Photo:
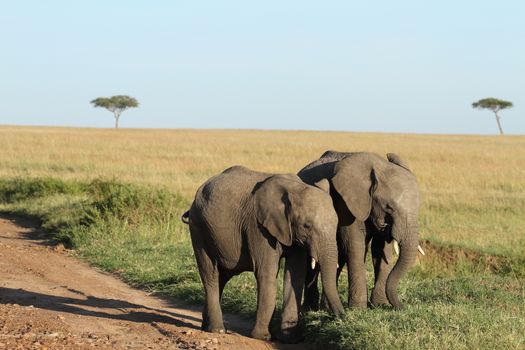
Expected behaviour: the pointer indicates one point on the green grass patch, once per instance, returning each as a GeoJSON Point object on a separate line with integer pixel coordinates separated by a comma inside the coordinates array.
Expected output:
{"type": "Point", "coordinates": [488, 224]}
{"type": "Point", "coordinates": [19, 189]}
{"type": "Point", "coordinates": [467, 312]}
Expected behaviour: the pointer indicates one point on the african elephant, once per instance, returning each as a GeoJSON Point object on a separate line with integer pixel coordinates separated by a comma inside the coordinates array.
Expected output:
{"type": "Point", "coordinates": [376, 200]}
{"type": "Point", "coordinates": [243, 220]}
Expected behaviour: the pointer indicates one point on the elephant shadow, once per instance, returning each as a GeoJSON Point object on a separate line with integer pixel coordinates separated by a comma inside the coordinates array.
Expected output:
{"type": "Point", "coordinates": [85, 305]}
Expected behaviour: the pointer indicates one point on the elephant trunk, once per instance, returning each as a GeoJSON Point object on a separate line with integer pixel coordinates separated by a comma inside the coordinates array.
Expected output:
{"type": "Point", "coordinates": [328, 268]}
{"type": "Point", "coordinates": [408, 249]}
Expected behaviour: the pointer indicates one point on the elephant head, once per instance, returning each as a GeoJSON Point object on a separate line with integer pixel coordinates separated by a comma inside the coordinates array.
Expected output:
{"type": "Point", "coordinates": [294, 212]}
{"type": "Point", "coordinates": [385, 193]}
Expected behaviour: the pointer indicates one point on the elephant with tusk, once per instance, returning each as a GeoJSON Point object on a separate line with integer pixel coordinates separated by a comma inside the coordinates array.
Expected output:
{"type": "Point", "coordinates": [377, 203]}
{"type": "Point", "coordinates": [243, 220]}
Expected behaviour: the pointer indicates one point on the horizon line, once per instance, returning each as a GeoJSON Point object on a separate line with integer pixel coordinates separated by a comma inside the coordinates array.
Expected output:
{"type": "Point", "coordinates": [252, 129]}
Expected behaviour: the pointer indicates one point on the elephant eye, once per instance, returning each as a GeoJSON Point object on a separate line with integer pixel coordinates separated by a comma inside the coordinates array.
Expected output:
{"type": "Point", "coordinates": [307, 225]}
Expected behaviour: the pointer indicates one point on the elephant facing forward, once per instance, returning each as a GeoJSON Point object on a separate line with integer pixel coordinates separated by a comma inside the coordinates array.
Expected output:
{"type": "Point", "coordinates": [243, 220]}
{"type": "Point", "coordinates": [376, 200]}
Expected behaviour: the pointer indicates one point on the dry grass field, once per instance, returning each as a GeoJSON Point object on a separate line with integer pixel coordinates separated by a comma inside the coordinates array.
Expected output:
{"type": "Point", "coordinates": [473, 186]}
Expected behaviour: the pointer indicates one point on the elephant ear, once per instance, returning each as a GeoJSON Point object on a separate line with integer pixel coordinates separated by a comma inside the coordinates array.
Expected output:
{"type": "Point", "coordinates": [355, 181]}
{"type": "Point", "coordinates": [273, 208]}
{"type": "Point", "coordinates": [394, 158]}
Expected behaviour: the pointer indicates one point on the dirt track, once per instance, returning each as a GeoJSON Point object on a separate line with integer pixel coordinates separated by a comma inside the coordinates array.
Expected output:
{"type": "Point", "coordinates": [49, 299]}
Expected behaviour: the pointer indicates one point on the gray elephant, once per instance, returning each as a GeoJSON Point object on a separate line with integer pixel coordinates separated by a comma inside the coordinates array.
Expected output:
{"type": "Point", "coordinates": [243, 220]}
{"type": "Point", "coordinates": [376, 200]}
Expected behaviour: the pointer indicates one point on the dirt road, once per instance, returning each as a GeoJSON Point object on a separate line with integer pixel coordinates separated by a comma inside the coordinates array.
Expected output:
{"type": "Point", "coordinates": [50, 300]}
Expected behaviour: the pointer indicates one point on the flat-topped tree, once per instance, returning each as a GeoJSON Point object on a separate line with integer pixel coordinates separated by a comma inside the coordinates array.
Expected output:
{"type": "Point", "coordinates": [495, 105]}
{"type": "Point", "coordinates": [116, 104]}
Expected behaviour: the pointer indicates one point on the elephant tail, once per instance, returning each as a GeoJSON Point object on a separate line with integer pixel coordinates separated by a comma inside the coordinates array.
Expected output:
{"type": "Point", "coordinates": [185, 218]}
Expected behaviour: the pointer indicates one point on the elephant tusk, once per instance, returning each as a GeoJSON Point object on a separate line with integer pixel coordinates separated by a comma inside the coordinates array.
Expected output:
{"type": "Point", "coordinates": [421, 250]}
{"type": "Point", "coordinates": [396, 247]}
{"type": "Point", "coordinates": [312, 263]}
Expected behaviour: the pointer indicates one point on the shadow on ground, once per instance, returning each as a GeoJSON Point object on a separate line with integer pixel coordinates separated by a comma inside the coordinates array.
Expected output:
{"type": "Point", "coordinates": [124, 310]}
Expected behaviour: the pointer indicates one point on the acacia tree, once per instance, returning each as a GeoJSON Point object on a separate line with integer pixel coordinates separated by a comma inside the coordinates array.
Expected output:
{"type": "Point", "coordinates": [495, 105]}
{"type": "Point", "coordinates": [116, 104]}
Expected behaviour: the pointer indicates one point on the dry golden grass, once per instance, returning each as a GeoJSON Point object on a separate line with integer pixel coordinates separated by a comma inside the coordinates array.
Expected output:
{"type": "Point", "coordinates": [473, 186]}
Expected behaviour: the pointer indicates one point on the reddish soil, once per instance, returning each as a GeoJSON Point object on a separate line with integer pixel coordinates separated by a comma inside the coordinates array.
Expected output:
{"type": "Point", "coordinates": [50, 300]}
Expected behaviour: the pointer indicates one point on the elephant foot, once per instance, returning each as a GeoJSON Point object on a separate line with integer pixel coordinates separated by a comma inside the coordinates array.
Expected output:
{"type": "Point", "coordinates": [291, 332]}
{"type": "Point", "coordinates": [379, 300]}
{"type": "Point", "coordinates": [372, 305]}
{"type": "Point", "coordinates": [380, 304]}
{"type": "Point", "coordinates": [213, 329]}
{"type": "Point", "coordinates": [357, 304]}
{"type": "Point", "coordinates": [261, 334]}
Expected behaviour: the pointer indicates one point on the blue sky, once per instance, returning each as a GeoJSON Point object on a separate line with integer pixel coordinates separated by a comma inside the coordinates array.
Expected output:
{"type": "Point", "coordinates": [393, 66]}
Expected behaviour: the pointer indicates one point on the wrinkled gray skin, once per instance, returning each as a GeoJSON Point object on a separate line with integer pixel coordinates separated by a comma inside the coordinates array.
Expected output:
{"type": "Point", "coordinates": [376, 200]}
{"type": "Point", "coordinates": [242, 220]}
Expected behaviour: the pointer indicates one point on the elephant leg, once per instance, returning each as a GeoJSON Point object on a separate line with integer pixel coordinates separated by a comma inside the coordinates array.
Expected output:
{"type": "Point", "coordinates": [224, 277]}
{"type": "Point", "coordinates": [383, 264]}
{"type": "Point", "coordinates": [294, 277]}
{"type": "Point", "coordinates": [353, 237]}
{"type": "Point", "coordinates": [209, 272]}
{"type": "Point", "coordinates": [265, 274]}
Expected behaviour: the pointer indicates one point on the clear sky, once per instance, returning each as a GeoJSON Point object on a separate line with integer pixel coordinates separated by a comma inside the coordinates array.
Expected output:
{"type": "Point", "coordinates": [394, 66]}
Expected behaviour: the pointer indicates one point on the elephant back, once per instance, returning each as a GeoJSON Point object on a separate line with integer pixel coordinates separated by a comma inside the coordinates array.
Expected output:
{"type": "Point", "coordinates": [321, 168]}
{"type": "Point", "coordinates": [220, 197]}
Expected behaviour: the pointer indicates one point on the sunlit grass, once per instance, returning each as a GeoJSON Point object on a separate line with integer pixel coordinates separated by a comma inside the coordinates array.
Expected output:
{"type": "Point", "coordinates": [473, 187]}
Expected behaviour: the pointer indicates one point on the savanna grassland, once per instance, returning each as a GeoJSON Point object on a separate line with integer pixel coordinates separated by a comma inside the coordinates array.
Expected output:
{"type": "Point", "coordinates": [116, 196]}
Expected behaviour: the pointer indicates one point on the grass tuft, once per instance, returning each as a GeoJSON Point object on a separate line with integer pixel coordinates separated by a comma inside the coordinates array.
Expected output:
{"type": "Point", "coordinates": [19, 189]}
